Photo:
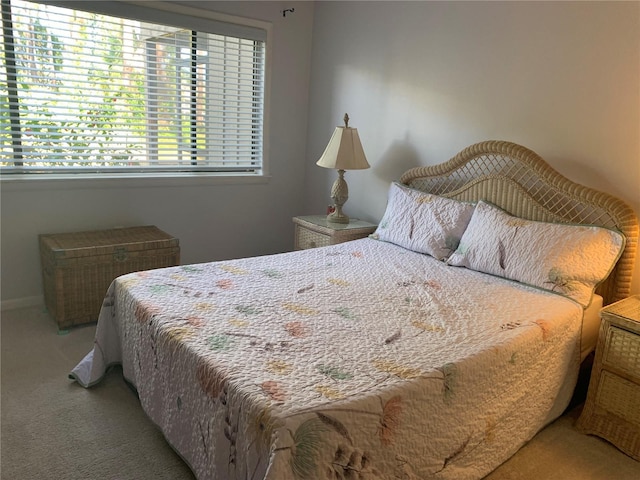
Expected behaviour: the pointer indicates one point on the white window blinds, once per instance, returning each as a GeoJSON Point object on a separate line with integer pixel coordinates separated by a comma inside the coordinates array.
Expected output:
{"type": "Point", "coordinates": [90, 92]}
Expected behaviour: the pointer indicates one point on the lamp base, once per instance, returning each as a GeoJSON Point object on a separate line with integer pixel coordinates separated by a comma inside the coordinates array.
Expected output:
{"type": "Point", "coordinates": [337, 217]}
{"type": "Point", "coordinates": [339, 195]}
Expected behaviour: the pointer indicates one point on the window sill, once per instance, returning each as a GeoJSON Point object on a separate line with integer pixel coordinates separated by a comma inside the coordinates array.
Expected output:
{"type": "Point", "coordinates": [23, 182]}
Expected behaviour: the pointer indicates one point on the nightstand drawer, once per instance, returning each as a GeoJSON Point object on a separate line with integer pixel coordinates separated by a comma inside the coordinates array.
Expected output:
{"type": "Point", "coordinates": [306, 238]}
{"type": "Point", "coordinates": [619, 397]}
{"type": "Point", "coordinates": [622, 351]}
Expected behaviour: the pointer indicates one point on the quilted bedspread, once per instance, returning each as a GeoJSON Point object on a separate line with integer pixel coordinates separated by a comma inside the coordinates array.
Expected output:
{"type": "Point", "coordinates": [361, 360]}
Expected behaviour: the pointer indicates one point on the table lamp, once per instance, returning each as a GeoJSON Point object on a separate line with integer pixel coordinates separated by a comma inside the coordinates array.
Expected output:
{"type": "Point", "coordinates": [344, 152]}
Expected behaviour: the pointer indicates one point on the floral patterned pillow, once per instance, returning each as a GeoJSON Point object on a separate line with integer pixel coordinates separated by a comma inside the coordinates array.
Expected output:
{"type": "Point", "coordinates": [567, 259]}
{"type": "Point", "coordinates": [422, 222]}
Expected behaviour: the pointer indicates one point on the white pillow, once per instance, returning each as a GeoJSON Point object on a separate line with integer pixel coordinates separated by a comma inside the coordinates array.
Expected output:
{"type": "Point", "coordinates": [567, 259]}
{"type": "Point", "coordinates": [423, 222]}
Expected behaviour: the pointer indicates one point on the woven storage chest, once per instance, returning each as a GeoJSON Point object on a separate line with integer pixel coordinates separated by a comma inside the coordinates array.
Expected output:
{"type": "Point", "coordinates": [77, 268]}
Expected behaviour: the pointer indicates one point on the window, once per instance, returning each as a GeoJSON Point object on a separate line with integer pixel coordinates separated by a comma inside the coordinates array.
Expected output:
{"type": "Point", "coordinates": [87, 92]}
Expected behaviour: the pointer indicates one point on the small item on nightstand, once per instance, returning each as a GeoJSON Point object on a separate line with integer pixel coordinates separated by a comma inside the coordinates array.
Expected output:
{"type": "Point", "coordinates": [330, 209]}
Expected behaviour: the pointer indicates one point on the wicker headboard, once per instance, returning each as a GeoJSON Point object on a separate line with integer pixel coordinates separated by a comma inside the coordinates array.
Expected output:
{"type": "Point", "coordinates": [522, 183]}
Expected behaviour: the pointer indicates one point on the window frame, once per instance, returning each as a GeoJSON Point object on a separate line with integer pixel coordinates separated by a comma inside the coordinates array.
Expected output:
{"type": "Point", "coordinates": [190, 17]}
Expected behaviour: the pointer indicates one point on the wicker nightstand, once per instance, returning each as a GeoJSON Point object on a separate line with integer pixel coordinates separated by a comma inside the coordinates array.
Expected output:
{"type": "Point", "coordinates": [314, 231]}
{"type": "Point", "coordinates": [612, 409]}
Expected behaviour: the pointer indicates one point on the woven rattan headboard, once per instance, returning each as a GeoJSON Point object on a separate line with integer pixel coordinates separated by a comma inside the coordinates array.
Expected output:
{"type": "Point", "coordinates": [522, 183]}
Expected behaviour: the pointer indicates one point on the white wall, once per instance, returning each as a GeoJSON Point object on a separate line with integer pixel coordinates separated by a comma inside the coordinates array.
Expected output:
{"type": "Point", "coordinates": [212, 221]}
{"type": "Point", "coordinates": [422, 80]}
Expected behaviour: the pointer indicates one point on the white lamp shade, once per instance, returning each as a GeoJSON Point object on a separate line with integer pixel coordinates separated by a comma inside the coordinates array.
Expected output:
{"type": "Point", "coordinates": [344, 151]}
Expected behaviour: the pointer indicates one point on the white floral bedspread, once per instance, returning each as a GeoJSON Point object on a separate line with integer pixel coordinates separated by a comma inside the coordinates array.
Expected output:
{"type": "Point", "coordinates": [359, 360]}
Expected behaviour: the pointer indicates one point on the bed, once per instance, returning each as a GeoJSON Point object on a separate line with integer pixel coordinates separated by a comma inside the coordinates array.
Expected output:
{"type": "Point", "coordinates": [388, 357]}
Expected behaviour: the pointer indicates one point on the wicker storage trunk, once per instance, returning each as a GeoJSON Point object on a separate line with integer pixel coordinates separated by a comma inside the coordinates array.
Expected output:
{"type": "Point", "coordinates": [77, 268]}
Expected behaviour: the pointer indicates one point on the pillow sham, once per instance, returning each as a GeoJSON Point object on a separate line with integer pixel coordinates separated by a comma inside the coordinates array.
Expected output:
{"type": "Point", "coordinates": [567, 259]}
{"type": "Point", "coordinates": [422, 222]}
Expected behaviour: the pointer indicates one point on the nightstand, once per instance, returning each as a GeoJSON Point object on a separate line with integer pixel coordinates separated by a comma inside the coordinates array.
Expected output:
{"type": "Point", "coordinates": [314, 231]}
{"type": "Point", "coordinates": [612, 408]}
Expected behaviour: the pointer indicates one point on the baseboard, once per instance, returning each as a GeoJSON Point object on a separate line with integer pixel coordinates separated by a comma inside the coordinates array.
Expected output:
{"type": "Point", "coordinates": [24, 302]}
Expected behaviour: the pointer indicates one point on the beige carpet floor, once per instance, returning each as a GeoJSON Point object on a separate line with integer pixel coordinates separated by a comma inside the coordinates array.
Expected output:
{"type": "Point", "coordinates": [51, 428]}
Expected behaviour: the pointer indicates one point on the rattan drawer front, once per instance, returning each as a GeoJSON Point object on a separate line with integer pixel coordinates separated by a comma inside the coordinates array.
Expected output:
{"type": "Point", "coordinates": [622, 351]}
{"type": "Point", "coordinates": [619, 397]}
{"type": "Point", "coordinates": [310, 239]}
